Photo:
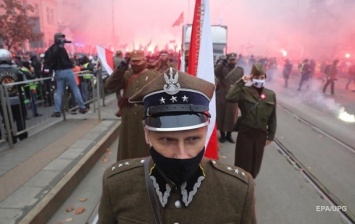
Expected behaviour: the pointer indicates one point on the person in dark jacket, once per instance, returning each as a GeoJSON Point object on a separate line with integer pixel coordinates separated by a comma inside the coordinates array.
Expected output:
{"type": "Point", "coordinates": [60, 63]}
{"type": "Point", "coordinates": [305, 73]}
{"type": "Point", "coordinates": [331, 72]}
{"type": "Point", "coordinates": [31, 87]}
{"type": "Point", "coordinates": [36, 65]}
{"type": "Point", "coordinates": [10, 74]}
{"type": "Point", "coordinates": [287, 71]}
{"type": "Point", "coordinates": [257, 124]}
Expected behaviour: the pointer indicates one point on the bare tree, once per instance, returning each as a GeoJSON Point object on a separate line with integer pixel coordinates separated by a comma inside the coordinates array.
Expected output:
{"type": "Point", "coordinates": [15, 25]}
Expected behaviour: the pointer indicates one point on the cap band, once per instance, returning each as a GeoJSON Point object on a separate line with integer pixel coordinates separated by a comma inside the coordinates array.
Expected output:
{"type": "Point", "coordinates": [154, 110]}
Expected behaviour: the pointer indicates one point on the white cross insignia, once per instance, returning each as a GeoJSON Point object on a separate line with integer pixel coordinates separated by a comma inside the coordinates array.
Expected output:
{"type": "Point", "coordinates": [185, 98]}
{"type": "Point", "coordinates": [236, 171]}
{"type": "Point", "coordinates": [173, 99]}
{"type": "Point", "coordinates": [113, 168]}
{"type": "Point", "coordinates": [243, 173]}
{"type": "Point", "coordinates": [119, 165]}
{"type": "Point", "coordinates": [229, 168]}
{"type": "Point", "coordinates": [126, 163]}
{"type": "Point", "coordinates": [162, 100]}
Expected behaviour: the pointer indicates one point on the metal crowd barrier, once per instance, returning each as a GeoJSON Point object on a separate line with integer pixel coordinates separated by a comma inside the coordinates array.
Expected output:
{"type": "Point", "coordinates": [32, 111]}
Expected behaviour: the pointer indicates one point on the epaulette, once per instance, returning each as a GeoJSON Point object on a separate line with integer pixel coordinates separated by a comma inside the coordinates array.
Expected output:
{"type": "Point", "coordinates": [125, 165]}
{"type": "Point", "coordinates": [231, 170]}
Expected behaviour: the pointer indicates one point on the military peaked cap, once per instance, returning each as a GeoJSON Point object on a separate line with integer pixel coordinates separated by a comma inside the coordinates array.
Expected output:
{"type": "Point", "coordinates": [257, 69]}
{"type": "Point", "coordinates": [137, 55]}
{"type": "Point", "coordinates": [175, 101]}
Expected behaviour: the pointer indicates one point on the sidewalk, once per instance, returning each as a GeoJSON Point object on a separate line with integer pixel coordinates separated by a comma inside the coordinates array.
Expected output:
{"type": "Point", "coordinates": [39, 172]}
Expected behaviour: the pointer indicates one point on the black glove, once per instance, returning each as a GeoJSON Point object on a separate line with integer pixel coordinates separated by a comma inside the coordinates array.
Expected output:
{"type": "Point", "coordinates": [224, 62]}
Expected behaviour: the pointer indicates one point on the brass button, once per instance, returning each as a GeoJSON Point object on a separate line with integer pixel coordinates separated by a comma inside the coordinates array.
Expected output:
{"type": "Point", "coordinates": [177, 204]}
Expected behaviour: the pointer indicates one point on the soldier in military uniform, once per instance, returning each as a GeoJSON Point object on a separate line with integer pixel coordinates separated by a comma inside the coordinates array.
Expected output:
{"type": "Point", "coordinates": [131, 136]}
{"type": "Point", "coordinates": [176, 184]}
{"type": "Point", "coordinates": [163, 62]}
{"type": "Point", "coordinates": [257, 124]}
{"type": "Point", "coordinates": [226, 74]}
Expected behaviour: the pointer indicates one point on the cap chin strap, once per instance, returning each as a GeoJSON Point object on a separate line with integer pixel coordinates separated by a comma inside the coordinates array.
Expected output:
{"type": "Point", "coordinates": [175, 108]}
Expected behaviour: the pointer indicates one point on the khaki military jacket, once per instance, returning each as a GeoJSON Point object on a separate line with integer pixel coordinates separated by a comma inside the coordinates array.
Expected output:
{"type": "Point", "coordinates": [257, 111]}
{"type": "Point", "coordinates": [227, 76]}
{"type": "Point", "coordinates": [217, 194]}
{"type": "Point", "coordinates": [227, 113]}
{"type": "Point", "coordinates": [132, 142]}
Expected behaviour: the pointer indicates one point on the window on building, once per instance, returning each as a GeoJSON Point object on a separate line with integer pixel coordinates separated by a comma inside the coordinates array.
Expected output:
{"type": "Point", "coordinates": [36, 12]}
{"type": "Point", "coordinates": [52, 16]}
{"type": "Point", "coordinates": [48, 16]}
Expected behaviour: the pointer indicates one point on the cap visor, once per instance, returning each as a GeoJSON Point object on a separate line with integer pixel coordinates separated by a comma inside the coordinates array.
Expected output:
{"type": "Point", "coordinates": [176, 122]}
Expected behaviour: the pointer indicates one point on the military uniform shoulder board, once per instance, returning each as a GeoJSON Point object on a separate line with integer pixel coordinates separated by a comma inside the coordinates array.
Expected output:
{"type": "Point", "coordinates": [125, 165]}
{"type": "Point", "coordinates": [231, 170]}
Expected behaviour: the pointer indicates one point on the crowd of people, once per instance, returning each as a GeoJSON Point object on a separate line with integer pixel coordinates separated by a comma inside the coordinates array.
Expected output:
{"type": "Point", "coordinates": [304, 70]}
{"type": "Point", "coordinates": [164, 116]}
{"type": "Point", "coordinates": [45, 76]}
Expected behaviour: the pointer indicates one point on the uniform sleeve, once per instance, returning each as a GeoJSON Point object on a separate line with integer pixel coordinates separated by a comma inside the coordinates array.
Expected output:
{"type": "Point", "coordinates": [106, 215]}
{"type": "Point", "coordinates": [218, 71]}
{"type": "Point", "coordinates": [114, 83]}
{"type": "Point", "coordinates": [248, 216]}
{"type": "Point", "coordinates": [272, 123]}
{"type": "Point", "coordinates": [234, 93]}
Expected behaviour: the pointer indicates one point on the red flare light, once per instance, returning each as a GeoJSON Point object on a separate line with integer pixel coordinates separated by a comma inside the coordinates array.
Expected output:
{"type": "Point", "coordinates": [347, 55]}
{"type": "Point", "coordinates": [262, 96]}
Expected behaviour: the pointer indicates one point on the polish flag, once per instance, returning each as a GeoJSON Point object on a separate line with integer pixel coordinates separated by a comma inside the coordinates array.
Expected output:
{"type": "Point", "coordinates": [106, 58]}
{"type": "Point", "coordinates": [179, 20]}
{"type": "Point", "coordinates": [201, 65]}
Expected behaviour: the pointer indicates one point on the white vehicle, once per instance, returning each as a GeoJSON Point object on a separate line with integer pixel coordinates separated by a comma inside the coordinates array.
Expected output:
{"type": "Point", "coordinates": [219, 39]}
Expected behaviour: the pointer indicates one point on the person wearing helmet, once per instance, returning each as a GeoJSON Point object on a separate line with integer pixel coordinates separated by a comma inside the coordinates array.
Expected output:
{"type": "Point", "coordinates": [86, 69]}
{"type": "Point", "coordinates": [57, 59]}
{"type": "Point", "coordinates": [176, 184]}
{"type": "Point", "coordinates": [10, 74]}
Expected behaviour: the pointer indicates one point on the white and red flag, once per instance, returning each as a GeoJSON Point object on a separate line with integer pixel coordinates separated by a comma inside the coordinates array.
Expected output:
{"type": "Point", "coordinates": [179, 20]}
{"type": "Point", "coordinates": [201, 65]}
{"type": "Point", "coordinates": [106, 58]}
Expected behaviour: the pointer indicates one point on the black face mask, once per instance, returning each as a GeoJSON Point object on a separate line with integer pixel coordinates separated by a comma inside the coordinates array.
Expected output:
{"type": "Point", "coordinates": [176, 170]}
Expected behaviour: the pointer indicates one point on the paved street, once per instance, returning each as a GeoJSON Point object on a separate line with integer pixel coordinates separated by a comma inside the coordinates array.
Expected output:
{"type": "Point", "coordinates": [35, 168]}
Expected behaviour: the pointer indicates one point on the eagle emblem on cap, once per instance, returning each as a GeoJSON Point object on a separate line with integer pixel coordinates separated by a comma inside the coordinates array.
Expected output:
{"type": "Point", "coordinates": [172, 86]}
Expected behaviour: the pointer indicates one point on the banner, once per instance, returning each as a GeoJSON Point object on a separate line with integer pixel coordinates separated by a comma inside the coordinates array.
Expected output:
{"type": "Point", "coordinates": [201, 65]}
{"type": "Point", "coordinates": [179, 20]}
{"type": "Point", "coordinates": [106, 58]}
